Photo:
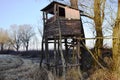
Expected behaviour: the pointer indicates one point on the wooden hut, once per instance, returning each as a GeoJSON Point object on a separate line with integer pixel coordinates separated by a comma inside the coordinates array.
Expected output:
{"type": "Point", "coordinates": [61, 22]}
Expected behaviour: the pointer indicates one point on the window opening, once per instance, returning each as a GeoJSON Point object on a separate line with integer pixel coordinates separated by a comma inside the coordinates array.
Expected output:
{"type": "Point", "coordinates": [61, 12]}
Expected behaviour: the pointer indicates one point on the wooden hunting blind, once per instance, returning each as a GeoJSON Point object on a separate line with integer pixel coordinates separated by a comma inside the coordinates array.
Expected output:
{"type": "Point", "coordinates": [62, 21]}
{"type": "Point", "coordinates": [69, 19]}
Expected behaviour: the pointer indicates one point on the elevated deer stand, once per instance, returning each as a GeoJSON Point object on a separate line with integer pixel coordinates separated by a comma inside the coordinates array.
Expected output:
{"type": "Point", "coordinates": [62, 27]}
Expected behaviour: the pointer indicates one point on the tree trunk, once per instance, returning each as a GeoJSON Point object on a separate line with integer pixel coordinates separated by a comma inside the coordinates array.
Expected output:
{"type": "Point", "coordinates": [74, 4]}
{"type": "Point", "coordinates": [26, 46]}
{"type": "Point", "coordinates": [17, 48]}
{"type": "Point", "coordinates": [98, 28]}
{"type": "Point", "coordinates": [116, 42]}
{"type": "Point", "coordinates": [2, 46]}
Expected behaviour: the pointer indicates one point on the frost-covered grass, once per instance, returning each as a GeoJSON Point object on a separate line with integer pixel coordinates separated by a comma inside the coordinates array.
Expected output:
{"type": "Point", "coordinates": [8, 62]}
{"type": "Point", "coordinates": [17, 68]}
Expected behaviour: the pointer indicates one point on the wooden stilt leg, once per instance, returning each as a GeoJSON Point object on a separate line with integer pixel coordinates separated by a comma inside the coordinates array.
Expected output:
{"type": "Point", "coordinates": [78, 57]}
{"type": "Point", "coordinates": [42, 54]}
{"type": "Point", "coordinates": [66, 52]}
{"type": "Point", "coordinates": [47, 53]}
{"type": "Point", "coordinates": [55, 58]}
{"type": "Point", "coordinates": [58, 56]}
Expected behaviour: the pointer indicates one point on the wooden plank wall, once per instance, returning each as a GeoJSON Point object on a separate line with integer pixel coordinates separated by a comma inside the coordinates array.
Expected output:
{"type": "Point", "coordinates": [68, 28]}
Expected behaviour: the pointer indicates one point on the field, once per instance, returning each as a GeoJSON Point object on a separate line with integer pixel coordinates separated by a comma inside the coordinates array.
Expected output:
{"type": "Point", "coordinates": [25, 66]}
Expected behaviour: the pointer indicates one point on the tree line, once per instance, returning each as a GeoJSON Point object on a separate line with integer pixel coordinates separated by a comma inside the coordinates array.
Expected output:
{"type": "Point", "coordinates": [16, 37]}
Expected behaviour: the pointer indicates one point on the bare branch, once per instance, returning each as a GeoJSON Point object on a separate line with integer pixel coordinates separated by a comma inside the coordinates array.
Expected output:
{"type": "Point", "coordinates": [91, 17]}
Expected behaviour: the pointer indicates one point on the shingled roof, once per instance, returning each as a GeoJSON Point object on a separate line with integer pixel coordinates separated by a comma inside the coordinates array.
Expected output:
{"type": "Point", "coordinates": [51, 5]}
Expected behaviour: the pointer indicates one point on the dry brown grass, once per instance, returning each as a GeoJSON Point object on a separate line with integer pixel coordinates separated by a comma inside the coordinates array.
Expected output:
{"type": "Point", "coordinates": [72, 74]}
{"type": "Point", "coordinates": [104, 75]}
{"type": "Point", "coordinates": [42, 74]}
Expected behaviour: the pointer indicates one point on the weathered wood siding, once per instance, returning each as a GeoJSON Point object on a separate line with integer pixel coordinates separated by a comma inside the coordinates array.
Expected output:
{"type": "Point", "coordinates": [69, 28]}
{"type": "Point", "coordinates": [71, 13]}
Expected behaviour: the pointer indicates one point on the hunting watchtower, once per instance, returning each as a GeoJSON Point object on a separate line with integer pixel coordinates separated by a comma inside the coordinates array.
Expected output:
{"type": "Point", "coordinates": [61, 22]}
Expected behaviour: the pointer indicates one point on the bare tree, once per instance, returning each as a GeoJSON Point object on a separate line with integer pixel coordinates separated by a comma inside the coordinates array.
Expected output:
{"type": "Point", "coordinates": [15, 37]}
{"type": "Point", "coordinates": [97, 14]}
{"type": "Point", "coordinates": [26, 33]}
{"type": "Point", "coordinates": [116, 42]}
{"type": "Point", "coordinates": [74, 3]}
{"type": "Point", "coordinates": [4, 37]}
{"type": "Point", "coordinates": [98, 19]}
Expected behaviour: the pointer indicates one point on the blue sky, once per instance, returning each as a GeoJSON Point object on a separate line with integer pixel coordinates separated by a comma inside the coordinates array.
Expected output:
{"type": "Point", "coordinates": [20, 12]}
